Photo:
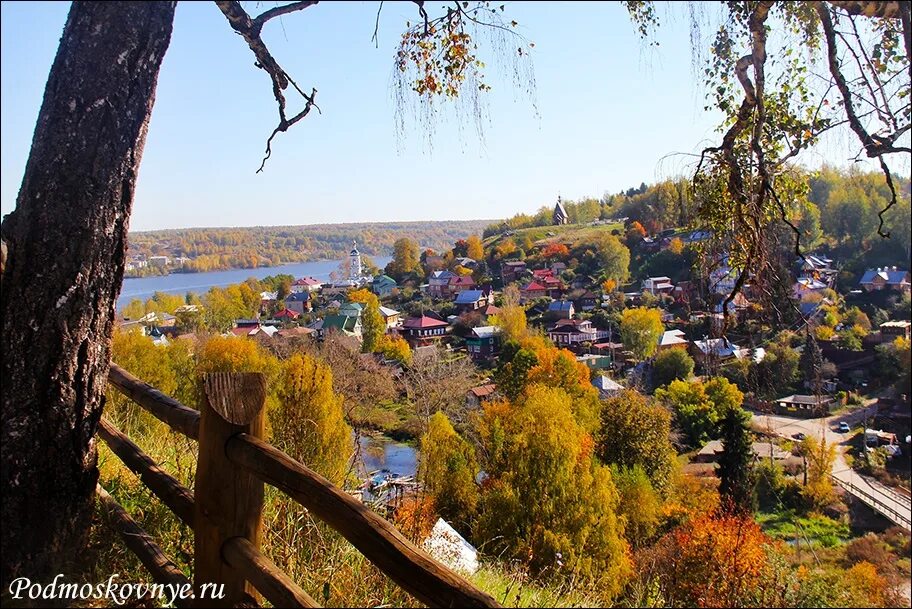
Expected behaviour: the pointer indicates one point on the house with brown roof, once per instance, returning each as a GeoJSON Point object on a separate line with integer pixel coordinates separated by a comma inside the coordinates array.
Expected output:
{"type": "Point", "coordinates": [461, 283]}
{"type": "Point", "coordinates": [570, 332]}
{"type": "Point", "coordinates": [424, 330]}
{"type": "Point", "coordinates": [476, 396]}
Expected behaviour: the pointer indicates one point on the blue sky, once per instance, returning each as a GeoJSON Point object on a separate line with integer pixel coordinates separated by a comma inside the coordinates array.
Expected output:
{"type": "Point", "coordinates": [609, 110]}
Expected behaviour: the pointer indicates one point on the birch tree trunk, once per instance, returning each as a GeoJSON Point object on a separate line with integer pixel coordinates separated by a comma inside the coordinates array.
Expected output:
{"type": "Point", "coordinates": [66, 243]}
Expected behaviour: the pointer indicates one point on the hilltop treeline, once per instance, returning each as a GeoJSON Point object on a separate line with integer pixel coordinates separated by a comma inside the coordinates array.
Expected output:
{"type": "Point", "coordinates": [213, 249]}
{"type": "Point", "coordinates": [839, 211]}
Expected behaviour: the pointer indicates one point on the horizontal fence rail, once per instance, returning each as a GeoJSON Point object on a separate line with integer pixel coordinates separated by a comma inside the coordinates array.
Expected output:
{"type": "Point", "coordinates": [411, 568]}
{"type": "Point", "coordinates": [163, 407]}
{"type": "Point", "coordinates": [226, 511]}
{"type": "Point", "coordinates": [162, 568]}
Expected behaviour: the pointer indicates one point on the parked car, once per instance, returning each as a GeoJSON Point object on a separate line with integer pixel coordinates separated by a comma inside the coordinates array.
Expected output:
{"type": "Point", "coordinates": [798, 436]}
{"type": "Point", "coordinates": [844, 427]}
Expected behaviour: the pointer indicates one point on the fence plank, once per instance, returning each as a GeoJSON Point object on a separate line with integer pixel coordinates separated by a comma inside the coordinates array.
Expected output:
{"type": "Point", "coordinates": [411, 568]}
{"type": "Point", "coordinates": [166, 487]}
{"type": "Point", "coordinates": [162, 568]}
{"type": "Point", "coordinates": [163, 407]}
{"type": "Point", "coordinates": [229, 502]}
{"type": "Point", "coordinates": [271, 582]}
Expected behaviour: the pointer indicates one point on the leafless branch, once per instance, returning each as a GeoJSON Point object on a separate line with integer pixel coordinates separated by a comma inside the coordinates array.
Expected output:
{"type": "Point", "coordinates": [250, 30]}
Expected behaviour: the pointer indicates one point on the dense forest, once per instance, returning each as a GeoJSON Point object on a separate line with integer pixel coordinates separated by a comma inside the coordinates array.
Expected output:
{"type": "Point", "coordinates": [212, 249]}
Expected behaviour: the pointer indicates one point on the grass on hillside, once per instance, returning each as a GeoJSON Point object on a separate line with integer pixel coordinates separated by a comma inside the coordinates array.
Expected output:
{"type": "Point", "coordinates": [539, 234]}
{"type": "Point", "coordinates": [819, 530]}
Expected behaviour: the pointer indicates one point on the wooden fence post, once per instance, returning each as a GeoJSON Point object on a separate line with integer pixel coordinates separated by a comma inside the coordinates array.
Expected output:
{"type": "Point", "coordinates": [228, 500]}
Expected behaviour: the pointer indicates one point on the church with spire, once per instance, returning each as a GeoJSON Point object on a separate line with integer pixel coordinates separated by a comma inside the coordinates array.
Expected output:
{"type": "Point", "coordinates": [560, 214]}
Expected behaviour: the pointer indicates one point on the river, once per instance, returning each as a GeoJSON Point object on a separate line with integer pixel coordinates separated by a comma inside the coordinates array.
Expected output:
{"type": "Point", "coordinates": [199, 283]}
{"type": "Point", "coordinates": [380, 452]}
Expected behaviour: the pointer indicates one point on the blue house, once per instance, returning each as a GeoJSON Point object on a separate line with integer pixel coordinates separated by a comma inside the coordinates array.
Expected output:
{"type": "Point", "coordinates": [383, 286]}
{"type": "Point", "coordinates": [562, 309]}
{"type": "Point", "coordinates": [470, 300]}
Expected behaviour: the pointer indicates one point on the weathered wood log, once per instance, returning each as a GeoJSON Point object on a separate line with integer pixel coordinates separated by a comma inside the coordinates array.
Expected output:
{"type": "Point", "coordinates": [426, 579]}
{"type": "Point", "coordinates": [162, 568]}
{"type": "Point", "coordinates": [165, 408]}
{"type": "Point", "coordinates": [229, 501]}
{"type": "Point", "coordinates": [267, 578]}
{"type": "Point", "coordinates": [171, 492]}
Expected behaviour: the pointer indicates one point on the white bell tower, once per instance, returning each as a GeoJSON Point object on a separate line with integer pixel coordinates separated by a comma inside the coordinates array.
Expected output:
{"type": "Point", "coordinates": [354, 263]}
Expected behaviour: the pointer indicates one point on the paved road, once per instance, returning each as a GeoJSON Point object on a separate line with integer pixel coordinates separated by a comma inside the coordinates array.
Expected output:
{"type": "Point", "coordinates": [897, 508]}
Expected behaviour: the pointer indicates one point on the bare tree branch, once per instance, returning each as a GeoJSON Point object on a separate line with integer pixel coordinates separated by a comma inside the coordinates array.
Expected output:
{"type": "Point", "coordinates": [250, 30]}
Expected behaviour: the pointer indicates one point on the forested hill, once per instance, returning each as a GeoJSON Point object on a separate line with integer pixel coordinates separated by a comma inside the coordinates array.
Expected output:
{"type": "Point", "coordinates": [221, 248]}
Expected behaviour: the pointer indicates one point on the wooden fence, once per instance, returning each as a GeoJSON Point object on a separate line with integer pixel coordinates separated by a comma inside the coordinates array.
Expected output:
{"type": "Point", "coordinates": [226, 509]}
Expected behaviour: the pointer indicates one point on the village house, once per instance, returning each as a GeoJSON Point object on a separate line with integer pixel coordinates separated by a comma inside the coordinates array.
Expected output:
{"type": "Point", "coordinates": [305, 284]}
{"type": "Point", "coordinates": [468, 263]}
{"type": "Point", "coordinates": [658, 285]}
{"type": "Point", "coordinates": [512, 270]}
{"type": "Point", "coordinates": [554, 286]}
{"type": "Point", "coordinates": [343, 324]}
{"type": "Point", "coordinates": [470, 300]}
{"type": "Point", "coordinates": [383, 286]}
{"type": "Point", "coordinates": [286, 315]}
{"type": "Point", "coordinates": [672, 339]}
{"type": "Point", "coordinates": [891, 330]}
{"type": "Point", "coordinates": [569, 332]}
{"type": "Point", "coordinates": [561, 309]}
{"type": "Point", "coordinates": [351, 309]}
{"type": "Point", "coordinates": [806, 406]}
{"type": "Point", "coordinates": [531, 291]}
{"type": "Point", "coordinates": [557, 268]}
{"type": "Point", "coordinates": [390, 316]}
{"type": "Point", "coordinates": [159, 261]}
{"type": "Point", "coordinates": [299, 302]}
{"type": "Point", "coordinates": [489, 310]}
{"type": "Point", "coordinates": [885, 278]}
{"type": "Point", "coordinates": [587, 301]}
{"type": "Point", "coordinates": [460, 283]}
{"type": "Point", "coordinates": [819, 267]}
{"type": "Point", "coordinates": [483, 343]}
{"type": "Point", "coordinates": [722, 279]}
{"type": "Point", "coordinates": [439, 284]}
{"type": "Point", "coordinates": [476, 396]}
{"type": "Point", "coordinates": [716, 351]}
{"type": "Point", "coordinates": [424, 330]}
{"type": "Point", "coordinates": [804, 286]}
{"type": "Point", "coordinates": [607, 387]}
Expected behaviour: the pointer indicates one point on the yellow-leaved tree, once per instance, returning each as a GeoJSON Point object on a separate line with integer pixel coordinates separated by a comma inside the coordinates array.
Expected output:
{"type": "Point", "coordinates": [308, 422]}
{"type": "Point", "coordinates": [546, 501]}
{"type": "Point", "coordinates": [372, 325]}
{"type": "Point", "coordinates": [447, 471]}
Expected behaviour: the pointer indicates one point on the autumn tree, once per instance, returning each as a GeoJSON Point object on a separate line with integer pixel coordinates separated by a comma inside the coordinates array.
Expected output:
{"type": "Point", "coordinates": [699, 407]}
{"type": "Point", "coordinates": [372, 325]}
{"type": "Point", "coordinates": [569, 526]}
{"type": "Point", "coordinates": [448, 469]}
{"type": "Point", "coordinates": [820, 456]}
{"type": "Point", "coordinates": [437, 381]}
{"type": "Point", "coordinates": [511, 319]}
{"type": "Point", "coordinates": [710, 561]}
{"type": "Point", "coordinates": [638, 503]}
{"type": "Point", "coordinates": [394, 348]}
{"type": "Point", "coordinates": [671, 365]}
{"type": "Point", "coordinates": [474, 248]}
{"type": "Point", "coordinates": [641, 329]}
{"type": "Point", "coordinates": [635, 432]}
{"type": "Point", "coordinates": [406, 259]}
{"type": "Point", "coordinates": [308, 421]}
{"type": "Point", "coordinates": [736, 462]}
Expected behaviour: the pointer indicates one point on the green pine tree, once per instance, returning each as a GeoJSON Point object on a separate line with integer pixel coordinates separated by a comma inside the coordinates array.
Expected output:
{"type": "Point", "coordinates": [736, 463]}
